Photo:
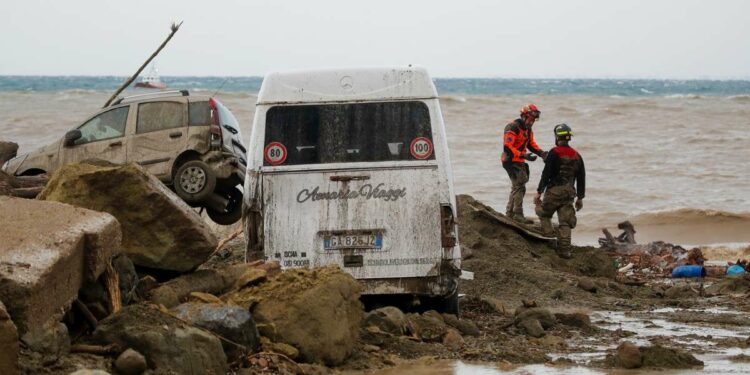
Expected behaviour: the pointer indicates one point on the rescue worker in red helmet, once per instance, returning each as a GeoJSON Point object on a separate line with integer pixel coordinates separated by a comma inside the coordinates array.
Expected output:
{"type": "Point", "coordinates": [563, 180]}
{"type": "Point", "coordinates": [517, 138]}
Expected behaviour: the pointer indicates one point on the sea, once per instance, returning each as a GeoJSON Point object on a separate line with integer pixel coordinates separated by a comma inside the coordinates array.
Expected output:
{"type": "Point", "coordinates": [671, 156]}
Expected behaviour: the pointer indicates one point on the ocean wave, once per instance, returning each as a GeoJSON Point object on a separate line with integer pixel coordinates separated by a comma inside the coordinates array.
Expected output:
{"type": "Point", "coordinates": [740, 98]}
{"type": "Point", "coordinates": [694, 216]}
{"type": "Point", "coordinates": [683, 96]}
{"type": "Point", "coordinates": [453, 98]}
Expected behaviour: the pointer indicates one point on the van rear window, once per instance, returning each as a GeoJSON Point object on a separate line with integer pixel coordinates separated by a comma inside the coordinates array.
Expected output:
{"type": "Point", "coordinates": [341, 133]}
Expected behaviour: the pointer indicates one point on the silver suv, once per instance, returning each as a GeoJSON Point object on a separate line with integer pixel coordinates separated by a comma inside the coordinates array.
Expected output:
{"type": "Point", "coordinates": [191, 143]}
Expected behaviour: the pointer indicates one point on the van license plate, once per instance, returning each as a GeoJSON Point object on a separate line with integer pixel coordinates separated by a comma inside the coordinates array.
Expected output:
{"type": "Point", "coordinates": [353, 241]}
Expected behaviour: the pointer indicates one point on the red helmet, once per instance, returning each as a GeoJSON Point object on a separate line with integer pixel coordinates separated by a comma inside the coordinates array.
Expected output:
{"type": "Point", "coordinates": [531, 110]}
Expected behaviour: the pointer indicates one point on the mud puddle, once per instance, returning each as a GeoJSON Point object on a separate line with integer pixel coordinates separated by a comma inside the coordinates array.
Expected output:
{"type": "Point", "coordinates": [713, 335]}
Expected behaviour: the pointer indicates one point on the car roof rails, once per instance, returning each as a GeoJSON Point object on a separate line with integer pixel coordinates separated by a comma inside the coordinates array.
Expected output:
{"type": "Point", "coordinates": [149, 95]}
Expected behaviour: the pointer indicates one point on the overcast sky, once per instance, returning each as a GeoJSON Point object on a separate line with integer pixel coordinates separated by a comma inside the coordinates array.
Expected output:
{"type": "Point", "coordinates": [466, 38]}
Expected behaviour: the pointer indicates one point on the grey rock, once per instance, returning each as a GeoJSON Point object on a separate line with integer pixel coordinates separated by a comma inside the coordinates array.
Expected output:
{"type": "Point", "coordinates": [50, 339]}
{"type": "Point", "coordinates": [130, 362]}
{"type": "Point", "coordinates": [389, 319]}
{"type": "Point", "coordinates": [579, 320]}
{"type": "Point", "coordinates": [231, 322]}
{"type": "Point", "coordinates": [544, 316]}
{"type": "Point", "coordinates": [587, 285]}
{"type": "Point", "coordinates": [465, 326]}
{"type": "Point", "coordinates": [170, 344]}
{"type": "Point", "coordinates": [532, 327]}
{"type": "Point", "coordinates": [629, 355]}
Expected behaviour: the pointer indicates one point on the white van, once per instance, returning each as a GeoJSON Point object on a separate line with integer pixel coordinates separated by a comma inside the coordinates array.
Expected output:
{"type": "Point", "coordinates": [351, 167]}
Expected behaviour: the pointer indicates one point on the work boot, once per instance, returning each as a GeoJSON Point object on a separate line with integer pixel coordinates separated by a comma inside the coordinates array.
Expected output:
{"type": "Point", "coordinates": [522, 219]}
{"type": "Point", "coordinates": [546, 225]}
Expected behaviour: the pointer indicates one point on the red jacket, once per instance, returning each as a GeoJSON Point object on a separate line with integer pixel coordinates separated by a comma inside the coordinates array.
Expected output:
{"type": "Point", "coordinates": [515, 141]}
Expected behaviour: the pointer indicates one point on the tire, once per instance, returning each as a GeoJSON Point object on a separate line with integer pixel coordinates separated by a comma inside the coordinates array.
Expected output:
{"type": "Point", "coordinates": [233, 212]}
{"type": "Point", "coordinates": [449, 304]}
{"type": "Point", "coordinates": [194, 181]}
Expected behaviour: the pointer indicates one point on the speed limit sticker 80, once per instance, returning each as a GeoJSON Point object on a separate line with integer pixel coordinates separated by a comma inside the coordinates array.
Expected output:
{"type": "Point", "coordinates": [275, 153]}
{"type": "Point", "coordinates": [421, 148]}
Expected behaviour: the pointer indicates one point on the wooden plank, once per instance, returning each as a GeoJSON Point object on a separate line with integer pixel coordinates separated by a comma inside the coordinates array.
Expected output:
{"type": "Point", "coordinates": [521, 229]}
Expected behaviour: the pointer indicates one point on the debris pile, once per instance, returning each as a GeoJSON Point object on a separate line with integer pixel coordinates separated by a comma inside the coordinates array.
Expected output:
{"type": "Point", "coordinates": [639, 261]}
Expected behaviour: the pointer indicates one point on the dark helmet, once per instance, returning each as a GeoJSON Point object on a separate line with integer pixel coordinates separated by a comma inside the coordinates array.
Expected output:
{"type": "Point", "coordinates": [563, 132]}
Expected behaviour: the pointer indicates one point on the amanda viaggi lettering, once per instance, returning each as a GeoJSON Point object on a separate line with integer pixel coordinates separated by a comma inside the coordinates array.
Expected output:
{"type": "Point", "coordinates": [366, 191]}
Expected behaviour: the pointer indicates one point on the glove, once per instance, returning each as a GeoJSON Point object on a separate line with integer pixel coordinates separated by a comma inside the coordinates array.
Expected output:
{"type": "Point", "coordinates": [579, 204]}
{"type": "Point", "coordinates": [529, 157]}
{"type": "Point", "coordinates": [544, 154]}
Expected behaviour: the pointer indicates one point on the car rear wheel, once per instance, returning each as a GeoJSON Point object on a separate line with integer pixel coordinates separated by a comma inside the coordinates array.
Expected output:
{"type": "Point", "coordinates": [194, 181]}
{"type": "Point", "coordinates": [233, 212]}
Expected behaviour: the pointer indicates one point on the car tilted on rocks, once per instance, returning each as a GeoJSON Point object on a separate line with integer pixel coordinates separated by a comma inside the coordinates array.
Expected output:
{"type": "Point", "coordinates": [351, 167]}
{"type": "Point", "coordinates": [192, 143]}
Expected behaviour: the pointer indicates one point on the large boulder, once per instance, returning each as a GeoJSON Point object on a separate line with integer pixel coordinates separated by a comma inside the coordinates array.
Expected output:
{"type": "Point", "coordinates": [169, 344]}
{"type": "Point", "coordinates": [8, 150]}
{"type": "Point", "coordinates": [315, 310]}
{"type": "Point", "coordinates": [159, 229]}
{"type": "Point", "coordinates": [213, 281]}
{"type": "Point", "coordinates": [47, 251]}
{"type": "Point", "coordinates": [232, 322]}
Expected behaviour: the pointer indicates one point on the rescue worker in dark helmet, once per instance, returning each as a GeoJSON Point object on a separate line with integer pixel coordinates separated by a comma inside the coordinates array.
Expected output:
{"type": "Point", "coordinates": [563, 181]}
{"type": "Point", "coordinates": [517, 137]}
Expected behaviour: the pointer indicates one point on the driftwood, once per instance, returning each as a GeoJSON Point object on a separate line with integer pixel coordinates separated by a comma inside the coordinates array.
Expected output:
{"type": "Point", "coordinates": [90, 318]}
{"type": "Point", "coordinates": [112, 283]}
{"type": "Point", "coordinates": [22, 186]}
{"type": "Point", "coordinates": [627, 237]}
{"type": "Point", "coordinates": [224, 241]}
{"type": "Point", "coordinates": [174, 28]}
{"type": "Point", "coordinates": [95, 349]}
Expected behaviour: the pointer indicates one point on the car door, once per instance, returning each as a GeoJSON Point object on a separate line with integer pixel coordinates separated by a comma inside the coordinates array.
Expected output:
{"type": "Point", "coordinates": [160, 135]}
{"type": "Point", "coordinates": [102, 137]}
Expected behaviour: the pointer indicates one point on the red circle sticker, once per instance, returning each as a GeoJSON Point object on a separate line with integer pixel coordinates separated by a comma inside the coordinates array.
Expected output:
{"type": "Point", "coordinates": [421, 148]}
{"type": "Point", "coordinates": [275, 153]}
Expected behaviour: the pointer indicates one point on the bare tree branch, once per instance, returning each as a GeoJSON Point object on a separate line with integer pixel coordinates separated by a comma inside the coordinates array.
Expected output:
{"type": "Point", "coordinates": [175, 26]}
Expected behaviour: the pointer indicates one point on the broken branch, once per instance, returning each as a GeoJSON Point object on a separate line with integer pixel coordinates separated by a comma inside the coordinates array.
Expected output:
{"type": "Point", "coordinates": [174, 28]}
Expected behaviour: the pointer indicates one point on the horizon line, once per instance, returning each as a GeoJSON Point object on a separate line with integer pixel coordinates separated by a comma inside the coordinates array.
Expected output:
{"type": "Point", "coordinates": [630, 78]}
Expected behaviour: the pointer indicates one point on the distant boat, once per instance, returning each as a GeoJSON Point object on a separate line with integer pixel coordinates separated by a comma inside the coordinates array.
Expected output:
{"type": "Point", "coordinates": [151, 80]}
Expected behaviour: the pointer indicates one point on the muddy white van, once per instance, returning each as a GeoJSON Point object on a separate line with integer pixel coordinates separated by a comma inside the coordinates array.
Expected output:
{"type": "Point", "coordinates": [351, 167]}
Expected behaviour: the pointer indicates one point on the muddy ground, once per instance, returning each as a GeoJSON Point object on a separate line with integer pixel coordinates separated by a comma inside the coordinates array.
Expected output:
{"type": "Point", "coordinates": [583, 312]}
{"type": "Point", "coordinates": [595, 312]}
{"type": "Point", "coordinates": [510, 269]}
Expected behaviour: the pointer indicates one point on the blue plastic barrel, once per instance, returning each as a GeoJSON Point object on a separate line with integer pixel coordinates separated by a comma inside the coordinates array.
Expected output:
{"type": "Point", "coordinates": [735, 270]}
{"type": "Point", "coordinates": [689, 271]}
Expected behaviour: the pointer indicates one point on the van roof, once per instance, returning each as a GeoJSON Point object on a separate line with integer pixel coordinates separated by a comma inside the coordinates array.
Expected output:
{"type": "Point", "coordinates": [344, 85]}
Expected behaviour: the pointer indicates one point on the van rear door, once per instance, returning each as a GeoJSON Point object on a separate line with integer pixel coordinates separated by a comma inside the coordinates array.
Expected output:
{"type": "Point", "coordinates": [355, 185]}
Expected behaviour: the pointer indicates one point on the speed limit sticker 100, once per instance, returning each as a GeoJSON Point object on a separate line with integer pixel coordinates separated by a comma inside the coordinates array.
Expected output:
{"type": "Point", "coordinates": [421, 148]}
{"type": "Point", "coordinates": [275, 153]}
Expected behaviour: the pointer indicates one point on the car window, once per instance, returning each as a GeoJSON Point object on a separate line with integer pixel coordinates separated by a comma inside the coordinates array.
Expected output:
{"type": "Point", "coordinates": [200, 113]}
{"type": "Point", "coordinates": [153, 116]}
{"type": "Point", "coordinates": [340, 133]}
{"type": "Point", "coordinates": [110, 124]}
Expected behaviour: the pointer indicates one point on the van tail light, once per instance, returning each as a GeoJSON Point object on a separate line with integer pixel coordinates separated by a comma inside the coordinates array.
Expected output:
{"type": "Point", "coordinates": [447, 226]}
{"type": "Point", "coordinates": [215, 128]}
